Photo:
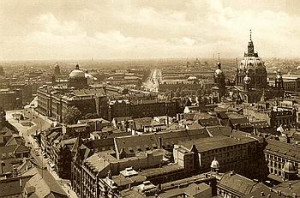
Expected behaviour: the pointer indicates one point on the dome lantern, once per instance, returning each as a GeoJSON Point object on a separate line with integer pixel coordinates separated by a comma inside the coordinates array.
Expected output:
{"type": "Point", "coordinates": [214, 165]}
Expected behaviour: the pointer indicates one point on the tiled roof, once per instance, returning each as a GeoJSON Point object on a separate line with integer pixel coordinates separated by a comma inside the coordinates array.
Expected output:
{"type": "Point", "coordinates": [44, 185]}
{"type": "Point", "coordinates": [211, 143]}
{"type": "Point", "coordinates": [284, 149]}
{"type": "Point", "coordinates": [236, 183]}
{"type": "Point", "coordinates": [219, 130]}
{"type": "Point", "coordinates": [131, 144]}
{"type": "Point", "coordinates": [262, 191]}
{"type": "Point", "coordinates": [99, 162]}
{"type": "Point", "coordinates": [289, 188]}
{"type": "Point", "coordinates": [13, 186]}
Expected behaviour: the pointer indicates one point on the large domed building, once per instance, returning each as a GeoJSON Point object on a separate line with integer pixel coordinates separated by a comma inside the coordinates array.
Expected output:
{"type": "Point", "coordinates": [251, 78]}
{"type": "Point", "coordinates": [77, 78]}
{"type": "Point", "coordinates": [252, 65]}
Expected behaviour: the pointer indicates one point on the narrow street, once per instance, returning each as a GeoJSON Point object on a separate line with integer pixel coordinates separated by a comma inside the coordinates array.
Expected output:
{"type": "Point", "coordinates": [39, 123]}
{"type": "Point", "coordinates": [152, 84]}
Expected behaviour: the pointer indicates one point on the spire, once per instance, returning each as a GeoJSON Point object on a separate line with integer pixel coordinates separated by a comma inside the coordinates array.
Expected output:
{"type": "Point", "coordinates": [250, 45]}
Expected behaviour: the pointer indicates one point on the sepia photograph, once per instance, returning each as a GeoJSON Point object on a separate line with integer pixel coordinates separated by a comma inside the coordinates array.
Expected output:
{"type": "Point", "coordinates": [157, 98]}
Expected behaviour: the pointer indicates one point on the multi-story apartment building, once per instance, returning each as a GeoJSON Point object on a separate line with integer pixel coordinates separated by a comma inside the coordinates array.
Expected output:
{"type": "Point", "coordinates": [278, 154]}
{"type": "Point", "coordinates": [238, 152]}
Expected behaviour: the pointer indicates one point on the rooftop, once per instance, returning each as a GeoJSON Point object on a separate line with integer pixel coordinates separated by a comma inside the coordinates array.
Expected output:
{"type": "Point", "coordinates": [237, 183]}
{"type": "Point", "coordinates": [211, 143]}
{"type": "Point", "coordinates": [283, 149]}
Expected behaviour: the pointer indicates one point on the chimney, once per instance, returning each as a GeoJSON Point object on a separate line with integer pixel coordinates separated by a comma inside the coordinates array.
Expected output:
{"type": "Point", "coordinates": [15, 171]}
{"type": "Point", "coordinates": [96, 125]}
{"type": "Point", "coordinates": [160, 142]}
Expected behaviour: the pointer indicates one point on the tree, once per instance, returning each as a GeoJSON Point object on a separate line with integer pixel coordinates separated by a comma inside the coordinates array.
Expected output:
{"type": "Point", "coordinates": [73, 114]}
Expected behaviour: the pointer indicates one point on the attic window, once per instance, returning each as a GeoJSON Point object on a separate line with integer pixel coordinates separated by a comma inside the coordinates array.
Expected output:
{"type": "Point", "coordinates": [131, 149]}
{"type": "Point", "coordinates": [139, 148]}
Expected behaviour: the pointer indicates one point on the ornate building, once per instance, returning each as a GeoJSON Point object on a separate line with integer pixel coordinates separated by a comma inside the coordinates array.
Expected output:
{"type": "Point", "coordinates": [254, 67]}
{"type": "Point", "coordinates": [251, 78]}
{"type": "Point", "coordinates": [77, 78]}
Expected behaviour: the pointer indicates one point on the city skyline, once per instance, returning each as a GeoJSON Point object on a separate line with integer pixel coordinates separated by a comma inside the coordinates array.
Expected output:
{"type": "Point", "coordinates": [140, 30]}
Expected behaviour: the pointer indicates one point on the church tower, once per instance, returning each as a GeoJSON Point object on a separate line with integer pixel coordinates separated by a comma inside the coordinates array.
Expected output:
{"type": "Point", "coordinates": [219, 80]}
{"type": "Point", "coordinates": [278, 81]}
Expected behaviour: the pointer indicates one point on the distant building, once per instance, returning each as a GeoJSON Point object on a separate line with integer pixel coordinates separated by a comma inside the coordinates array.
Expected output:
{"type": "Point", "coordinates": [77, 79]}
{"type": "Point", "coordinates": [254, 66]}
{"type": "Point", "coordinates": [2, 72]}
{"type": "Point", "coordinates": [251, 78]}
{"type": "Point", "coordinates": [10, 99]}
{"type": "Point", "coordinates": [291, 83]}
{"type": "Point", "coordinates": [105, 101]}
{"type": "Point", "coordinates": [57, 70]}
{"type": "Point", "coordinates": [275, 116]}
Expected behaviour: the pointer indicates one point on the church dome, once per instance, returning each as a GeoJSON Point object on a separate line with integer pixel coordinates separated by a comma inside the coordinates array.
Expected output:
{"type": "Point", "coordinates": [251, 63]}
{"type": "Point", "coordinates": [289, 167]}
{"type": "Point", "coordinates": [77, 73]}
{"type": "Point", "coordinates": [215, 164]}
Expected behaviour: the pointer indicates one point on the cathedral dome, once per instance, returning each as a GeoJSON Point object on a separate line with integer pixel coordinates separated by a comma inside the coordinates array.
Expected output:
{"type": "Point", "coordinates": [251, 63]}
{"type": "Point", "coordinates": [77, 73]}
{"type": "Point", "coordinates": [289, 167]}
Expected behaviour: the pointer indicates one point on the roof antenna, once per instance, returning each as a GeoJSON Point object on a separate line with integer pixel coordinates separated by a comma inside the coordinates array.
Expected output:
{"type": "Point", "coordinates": [218, 57]}
{"type": "Point", "coordinates": [250, 35]}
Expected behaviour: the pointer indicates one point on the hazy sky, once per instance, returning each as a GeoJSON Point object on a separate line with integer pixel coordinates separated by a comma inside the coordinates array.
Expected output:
{"type": "Point", "coordinates": [107, 29]}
